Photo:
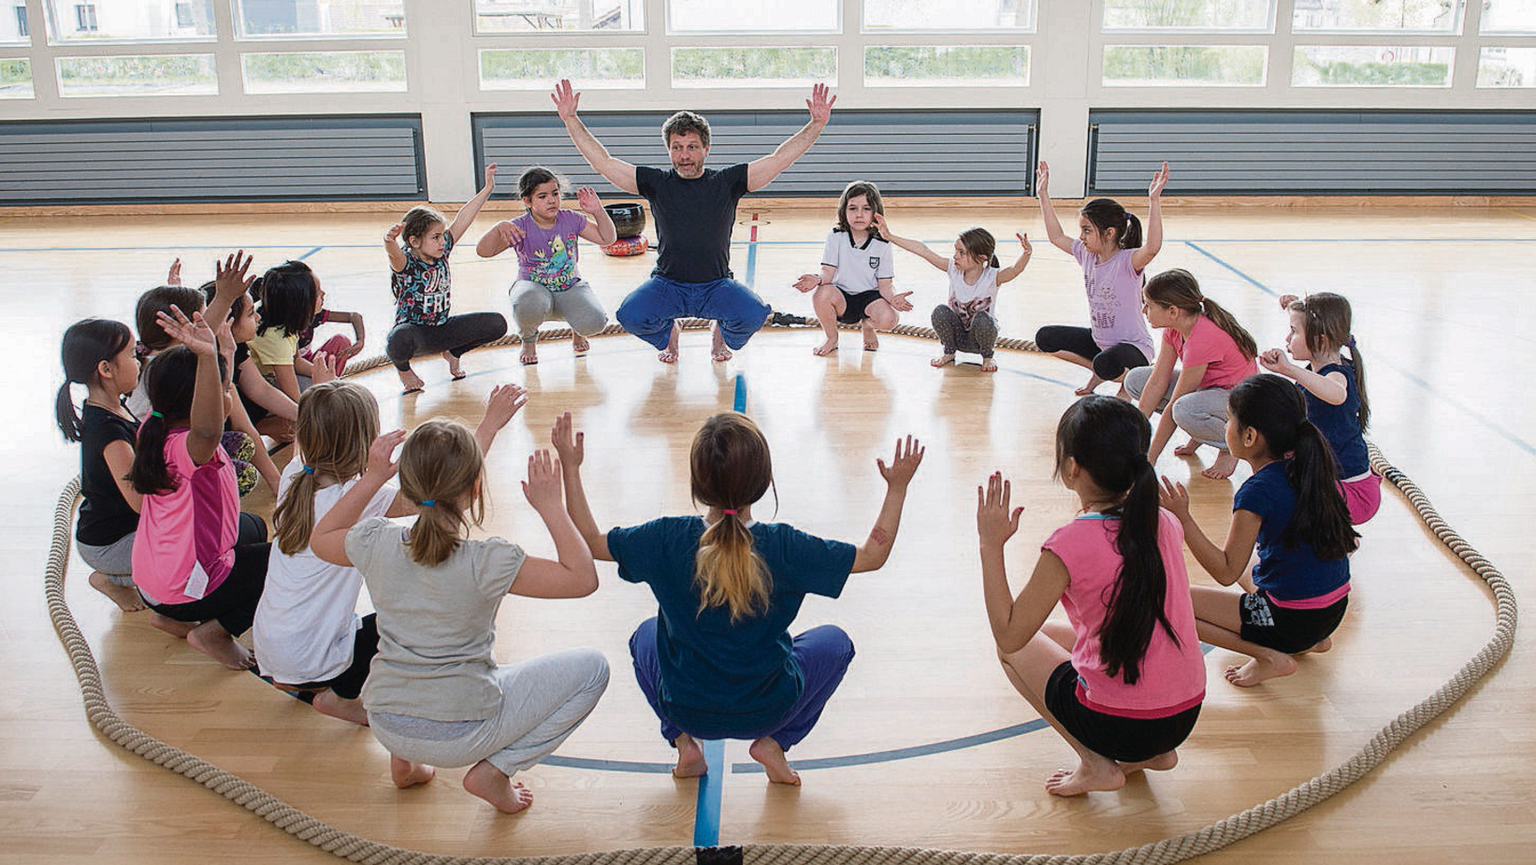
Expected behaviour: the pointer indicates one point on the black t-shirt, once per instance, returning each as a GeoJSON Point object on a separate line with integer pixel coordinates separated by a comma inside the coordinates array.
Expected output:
{"type": "Point", "coordinates": [105, 517]}
{"type": "Point", "coordinates": [694, 219]}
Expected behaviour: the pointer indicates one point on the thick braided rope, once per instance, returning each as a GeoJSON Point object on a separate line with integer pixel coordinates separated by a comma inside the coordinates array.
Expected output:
{"type": "Point", "coordinates": [1169, 850]}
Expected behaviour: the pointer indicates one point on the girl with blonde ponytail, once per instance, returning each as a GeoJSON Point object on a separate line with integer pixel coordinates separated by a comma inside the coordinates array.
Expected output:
{"type": "Point", "coordinates": [435, 695]}
{"type": "Point", "coordinates": [1215, 352]}
{"type": "Point", "coordinates": [718, 662]}
{"type": "Point", "coordinates": [307, 634]}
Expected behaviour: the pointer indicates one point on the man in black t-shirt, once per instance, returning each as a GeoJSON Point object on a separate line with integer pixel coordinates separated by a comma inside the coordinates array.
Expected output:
{"type": "Point", "coordinates": [695, 210]}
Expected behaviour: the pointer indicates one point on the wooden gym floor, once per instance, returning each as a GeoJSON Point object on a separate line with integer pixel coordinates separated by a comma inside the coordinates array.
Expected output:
{"type": "Point", "coordinates": [925, 744]}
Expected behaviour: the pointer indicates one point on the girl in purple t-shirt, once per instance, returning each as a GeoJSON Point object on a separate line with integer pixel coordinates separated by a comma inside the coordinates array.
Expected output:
{"type": "Point", "coordinates": [1123, 680]}
{"type": "Point", "coordinates": [548, 284]}
{"type": "Point", "coordinates": [1113, 258]}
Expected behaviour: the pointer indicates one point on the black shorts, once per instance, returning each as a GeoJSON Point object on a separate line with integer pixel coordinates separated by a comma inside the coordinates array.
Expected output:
{"type": "Point", "coordinates": [857, 304]}
{"type": "Point", "coordinates": [348, 684]}
{"type": "Point", "coordinates": [1128, 740]}
{"type": "Point", "coordinates": [1286, 629]}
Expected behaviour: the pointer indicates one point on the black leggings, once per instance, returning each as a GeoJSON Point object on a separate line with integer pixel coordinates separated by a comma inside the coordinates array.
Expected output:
{"type": "Point", "coordinates": [1108, 363]}
{"type": "Point", "coordinates": [457, 335]}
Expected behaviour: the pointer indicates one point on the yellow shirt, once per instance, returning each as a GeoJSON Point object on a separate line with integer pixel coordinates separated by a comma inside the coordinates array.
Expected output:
{"type": "Point", "coordinates": [273, 348]}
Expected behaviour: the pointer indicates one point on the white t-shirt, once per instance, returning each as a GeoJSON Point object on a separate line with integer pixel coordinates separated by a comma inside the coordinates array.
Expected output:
{"type": "Point", "coordinates": [859, 268]}
{"type": "Point", "coordinates": [307, 618]}
{"type": "Point", "coordinates": [967, 300]}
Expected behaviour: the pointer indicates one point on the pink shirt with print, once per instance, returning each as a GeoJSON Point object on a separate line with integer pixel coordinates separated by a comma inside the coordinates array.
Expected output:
{"type": "Point", "coordinates": [1225, 363]}
{"type": "Point", "coordinates": [185, 546]}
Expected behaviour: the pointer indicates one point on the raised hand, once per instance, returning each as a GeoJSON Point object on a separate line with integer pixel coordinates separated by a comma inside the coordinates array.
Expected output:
{"type": "Point", "coordinates": [900, 303]}
{"type": "Point", "coordinates": [880, 225]}
{"type": "Point", "coordinates": [565, 100]}
{"type": "Point", "coordinates": [570, 443]}
{"type": "Point", "coordinates": [393, 234]}
{"type": "Point", "coordinates": [490, 176]}
{"type": "Point", "coordinates": [1024, 242]}
{"type": "Point", "coordinates": [1043, 180]}
{"type": "Point", "coordinates": [229, 277]}
{"type": "Point", "coordinates": [587, 200]}
{"type": "Point", "coordinates": [1275, 361]}
{"type": "Point", "coordinates": [510, 233]}
{"type": "Point", "coordinates": [194, 333]}
{"type": "Point", "coordinates": [505, 401]}
{"type": "Point", "coordinates": [174, 276]}
{"type": "Point", "coordinates": [542, 488]}
{"type": "Point", "coordinates": [909, 455]}
{"type": "Point", "coordinates": [1174, 497]}
{"type": "Point", "coordinates": [996, 519]}
{"type": "Point", "coordinates": [807, 282]}
{"type": "Point", "coordinates": [1286, 300]}
{"type": "Point", "coordinates": [381, 462]}
{"type": "Point", "coordinates": [1159, 180]}
{"type": "Point", "coordinates": [324, 367]}
{"type": "Point", "coordinates": [819, 104]}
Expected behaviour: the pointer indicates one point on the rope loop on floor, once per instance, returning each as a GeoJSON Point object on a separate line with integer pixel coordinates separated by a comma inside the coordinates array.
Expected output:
{"type": "Point", "coordinates": [1212, 837]}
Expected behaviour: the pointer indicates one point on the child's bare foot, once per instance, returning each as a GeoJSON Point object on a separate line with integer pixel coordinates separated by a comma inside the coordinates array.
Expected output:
{"type": "Point", "coordinates": [406, 774]}
{"type": "Point", "coordinates": [410, 380]}
{"type": "Point", "coordinates": [579, 345]}
{"type": "Point", "coordinates": [719, 350]}
{"type": "Point", "coordinates": [1091, 385]}
{"type": "Point", "coordinates": [826, 348]}
{"type": "Point", "coordinates": [988, 365]}
{"type": "Point", "coordinates": [767, 752]}
{"type": "Point", "coordinates": [1102, 774]}
{"type": "Point", "coordinates": [1160, 763]}
{"type": "Point", "coordinates": [943, 360]}
{"type": "Point", "coordinates": [1187, 449]}
{"type": "Point", "coordinates": [211, 639]}
{"type": "Point", "coordinates": [1272, 665]}
{"type": "Point", "coordinates": [126, 597]}
{"type": "Point", "coordinates": [530, 353]}
{"type": "Point", "coordinates": [454, 369]}
{"type": "Point", "coordinates": [670, 353]}
{"type": "Point", "coordinates": [1322, 646]}
{"type": "Point", "coordinates": [488, 783]}
{"type": "Point", "coordinates": [1224, 466]}
{"type": "Point", "coordinates": [328, 703]}
{"type": "Point", "coordinates": [179, 630]}
{"type": "Point", "coordinates": [690, 758]}
{"type": "Point", "coordinates": [871, 339]}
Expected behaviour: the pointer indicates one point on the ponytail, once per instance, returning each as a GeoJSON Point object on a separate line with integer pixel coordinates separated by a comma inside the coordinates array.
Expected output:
{"type": "Point", "coordinates": [1132, 237]}
{"type": "Point", "coordinates": [1225, 320]}
{"type": "Point", "coordinates": [1358, 364]}
{"type": "Point", "coordinates": [1328, 325]}
{"type": "Point", "coordinates": [86, 344]}
{"type": "Point", "coordinates": [294, 516]}
{"type": "Point", "coordinates": [437, 531]}
{"type": "Point", "coordinates": [64, 411]}
{"type": "Point", "coordinates": [441, 464]}
{"type": "Point", "coordinates": [981, 245]}
{"type": "Point", "coordinates": [1179, 288]}
{"type": "Point", "coordinates": [729, 573]}
{"type": "Point", "coordinates": [337, 423]}
{"type": "Point", "coordinates": [1107, 214]}
{"type": "Point", "coordinates": [170, 382]}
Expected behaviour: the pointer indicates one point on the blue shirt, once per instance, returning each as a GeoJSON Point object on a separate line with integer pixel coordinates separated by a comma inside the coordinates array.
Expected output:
{"type": "Point", "coordinates": [1340, 424]}
{"type": "Point", "coordinates": [1286, 574]}
{"type": "Point", "coordinates": [717, 677]}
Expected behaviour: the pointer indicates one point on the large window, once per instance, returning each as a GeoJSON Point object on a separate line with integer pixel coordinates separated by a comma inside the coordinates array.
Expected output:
{"type": "Point", "coordinates": [129, 20]}
{"type": "Point", "coordinates": [13, 26]}
{"type": "Point", "coordinates": [1371, 66]}
{"type": "Point", "coordinates": [1507, 67]}
{"type": "Point", "coordinates": [553, 16]}
{"type": "Point", "coordinates": [1252, 15]}
{"type": "Point", "coordinates": [341, 19]}
{"type": "Point", "coordinates": [753, 66]}
{"type": "Point", "coordinates": [754, 16]}
{"type": "Point", "coordinates": [1509, 16]}
{"type": "Point", "coordinates": [1202, 65]}
{"type": "Point", "coordinates": [537, 68]}
{"type": "Point", "coordinates": [15, 78]}
{"type": "Point", "coordinates": [958, 65]}
{"type": "Point", "coordinates": [948, 14]}
{"type": "Point", "coordinates": [324, 72]}
{"type": "Point", "coordinates": [161, 75]}
{"type": "Point", "coordinates": [1394, 16]}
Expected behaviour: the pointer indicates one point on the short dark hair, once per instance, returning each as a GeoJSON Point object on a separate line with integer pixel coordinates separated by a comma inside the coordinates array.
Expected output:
{"type": "Point", "coordinates": [682, 123]}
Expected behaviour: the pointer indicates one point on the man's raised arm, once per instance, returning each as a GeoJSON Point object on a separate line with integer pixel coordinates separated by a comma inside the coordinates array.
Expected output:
{"type": "Point", "coordinates": [618, 172]}
{"type": "Point", "coordinates": [761, 172]}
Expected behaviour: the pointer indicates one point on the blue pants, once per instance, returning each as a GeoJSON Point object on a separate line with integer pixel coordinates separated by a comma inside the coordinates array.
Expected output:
{"type": "Point", "coordinates": [823, 654]}
{"type": "Point", "coordinates": [648, 311]}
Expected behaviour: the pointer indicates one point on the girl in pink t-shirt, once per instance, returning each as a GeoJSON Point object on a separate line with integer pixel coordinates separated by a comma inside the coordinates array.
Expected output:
{"type": "Point", "coordinates": [1213, 352]}
{"type": "Point", "coordinates": [1113, 257]}
{"type": "Point", "coordinates": [199, 563]}
{"type": "Point", "coordinates": [1124, 680]}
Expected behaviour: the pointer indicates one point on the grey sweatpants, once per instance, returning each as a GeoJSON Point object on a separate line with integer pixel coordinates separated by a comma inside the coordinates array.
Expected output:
{"type": "Point", "coordinates": [979, 338]}
{"type": "Point", "coordinates": [543, 700]}
{"type": "Point", "coordinates": [1202, 414]}
{"type": "Point", "coordinates": [533, 304]}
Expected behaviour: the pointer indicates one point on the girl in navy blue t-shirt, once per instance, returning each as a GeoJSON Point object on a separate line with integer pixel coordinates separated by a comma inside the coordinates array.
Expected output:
{"type": "Point", "coordinates": [1292, 510]}
{"type": "Point", "coordinates": [717, 662]}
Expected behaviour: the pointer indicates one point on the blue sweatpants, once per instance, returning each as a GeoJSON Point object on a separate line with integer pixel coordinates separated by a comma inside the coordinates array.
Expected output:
{"type": "Point", "coordinates": [648, 311]}
{"type": "Point", "coordinates": [823, 654]}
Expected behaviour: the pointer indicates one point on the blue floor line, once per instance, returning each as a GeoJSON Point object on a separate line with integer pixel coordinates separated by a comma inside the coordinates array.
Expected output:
{"type": "Point", "coordinates": [903, 753]}
{"type": "Point", "coordinates": [706, 812]}
{"type": "Point", "coordinates": [740, 404]}
{"type": "Point", "coordinates": [1243, 276]}
{"type": "Point", "coordinates": [308, 254]}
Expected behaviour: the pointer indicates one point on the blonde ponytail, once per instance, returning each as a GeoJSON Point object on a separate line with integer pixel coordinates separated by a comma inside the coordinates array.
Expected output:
{"type": "Point", "coordinates": [440, 464]}
{"type": "Point", "coordinates": [729, 469]}
{"type": "Point", "coordinates": [729, 573]}
{"type": "Point", "coordinates": [337, 423]}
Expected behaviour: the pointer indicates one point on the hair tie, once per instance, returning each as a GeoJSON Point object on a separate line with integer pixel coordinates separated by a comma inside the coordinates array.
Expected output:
{"type": "Point", "coordinates": [731, 512]}
{"type": "Point", "coordinates": [309, 470]}
{"type": "Point", "coordinates": [157, 414]}
{"type": "Point", "coordinates": [1351, 341]}
{"type": "Point", "coordinates": [427, 503]}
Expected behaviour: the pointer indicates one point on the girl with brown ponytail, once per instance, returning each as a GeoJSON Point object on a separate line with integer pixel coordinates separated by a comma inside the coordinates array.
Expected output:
{"type": "Point", "coordinates": [718, 662]}
{"type": "Point", "coordinates": [1215, 353]}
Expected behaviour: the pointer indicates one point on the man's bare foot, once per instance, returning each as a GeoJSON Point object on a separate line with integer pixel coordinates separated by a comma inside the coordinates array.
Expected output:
{"type": "Point", "coordinates": [406, 774]}
{"type": "Point", "coordinates": [1187, 449]}
{"type": "Point", "coordinates": [1224, 466]}
{"type": "Point", "coordinates": [719, 350]}
{"type": "Point", "coordinates": [670, 353]}
{"type": "Point", "coordinates": [1102, 774]}
{"type": "Point", "coordinates": [126, 597]}
{"type": "Point", "coordinates": [328, 703]}
{"type": "Point", "coordinates": [410, 380]}
{"type": "Point", "coordinates": [988, 365]}
{"type": "Point", "coordinates": [690, 758]}
{"type": "Point", "coordinates": [767, 752]}
{"type": "Point", "coordinates": [454, 368]}
{"type": "Point", "coordinates": [871, 339]}
{"type": "Point", "coordinates": [942, 360]}
{"type": "Point", "coordinates": [580, 345]}
{"type": "Point", "coordinates": [1160, 763]}
{"type": "Point", "coordinates": [826, 348]}
{"type": "Point", "coordinates": [211, 639]}
{"type": "Point", "coordinates": [1272, 666]}
{"type": "Point", "coordinates": [179, 630]}
{"type": "Point", "coordinates": [489, 783]}
{"type": "Point", "coordinates": [1322, 646]}
{"type": "Point", "coordinates": [1090, 386]}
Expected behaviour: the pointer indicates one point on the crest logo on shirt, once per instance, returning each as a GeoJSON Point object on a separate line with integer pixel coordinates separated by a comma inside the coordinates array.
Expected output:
{"type": "Point", "coordinates": [874, 262]}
